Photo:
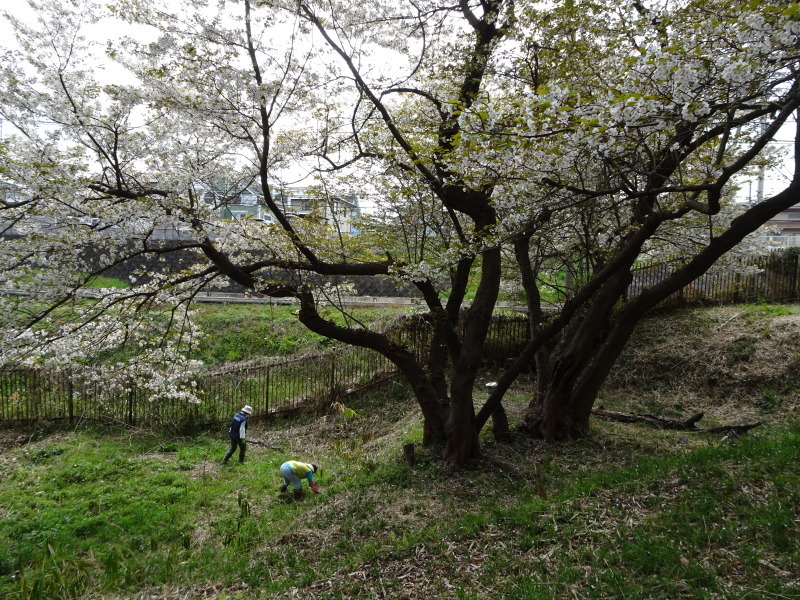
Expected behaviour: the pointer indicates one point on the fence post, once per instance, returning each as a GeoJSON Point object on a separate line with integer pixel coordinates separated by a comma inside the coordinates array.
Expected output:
{"type": "Point", "coordinates": [331, 395]}
{"type": "Point", "coordinates": [70, 400]}
{"type": "Point", "coordinates": [131, 401]}
{"type": "Point", "coordinates": [737, 285]}
{"type": "Point", "coordinates": [266, 392]}
{"type": "Point", "coordinates": [33, 388]}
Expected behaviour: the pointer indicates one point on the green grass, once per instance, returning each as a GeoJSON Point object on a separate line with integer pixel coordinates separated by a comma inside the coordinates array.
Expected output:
{"type": "Point", "coordinates": [240, 332]}
{"type": "Point", "coordinates": [245, 331]}
{"type": "Point", "coordinates": [629, 513]}
{"type": "Point", "coordinates": [100, 281]}
{"type": "Point", "coordinates": [769, 310]}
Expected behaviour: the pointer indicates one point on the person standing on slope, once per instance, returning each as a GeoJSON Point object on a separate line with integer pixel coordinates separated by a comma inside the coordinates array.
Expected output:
{"type": "Point", "coordinates": [238, 433]}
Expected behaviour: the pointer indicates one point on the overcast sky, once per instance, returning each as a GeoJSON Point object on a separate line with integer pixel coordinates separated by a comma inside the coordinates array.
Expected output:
{"type": "Point", "coordinates": [774, 179]}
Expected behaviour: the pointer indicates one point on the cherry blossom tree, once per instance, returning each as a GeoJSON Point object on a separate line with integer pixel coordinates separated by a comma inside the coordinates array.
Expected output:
{"type": "Point", "coordinates": [596, 134]}
{"type": "Point", "coordinates": [688, 100]}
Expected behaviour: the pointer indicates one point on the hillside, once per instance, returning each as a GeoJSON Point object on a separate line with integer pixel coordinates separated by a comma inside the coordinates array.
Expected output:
{"type": "Point", "coordinates": [630, 512]}
{"type": "Point", "coordinates": [729, 362]}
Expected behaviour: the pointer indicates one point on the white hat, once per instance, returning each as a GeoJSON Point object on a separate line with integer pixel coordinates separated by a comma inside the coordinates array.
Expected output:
{"type": "Point", "coordinates": [247, 409]}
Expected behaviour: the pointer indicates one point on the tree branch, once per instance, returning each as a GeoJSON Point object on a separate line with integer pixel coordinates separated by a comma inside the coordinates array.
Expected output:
{"type": "Point", "coordinates": [689, 424]}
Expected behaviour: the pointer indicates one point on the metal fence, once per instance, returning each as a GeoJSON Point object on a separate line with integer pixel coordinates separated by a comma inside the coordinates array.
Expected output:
{"type": "Point", "coordinates": [771, 278]}
{"type": "Point", "coordinates": [274, 388]}
{"type": "Point", "coordinates": [271, 388]}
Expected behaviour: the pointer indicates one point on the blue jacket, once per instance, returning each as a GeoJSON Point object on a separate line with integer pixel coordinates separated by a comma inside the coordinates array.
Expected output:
{"type": "Point", "coordinates": [238, 426]}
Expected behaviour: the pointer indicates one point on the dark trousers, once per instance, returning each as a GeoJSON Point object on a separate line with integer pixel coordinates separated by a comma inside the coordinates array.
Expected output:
{"type": "Point", "coordinates": [234, 443]}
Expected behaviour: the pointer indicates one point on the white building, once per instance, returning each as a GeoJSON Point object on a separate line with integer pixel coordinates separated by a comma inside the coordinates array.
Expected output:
{"type": "Point", "coordinates": [295, 202]}
{"type": "Point", "coordinates": [788, 225]}
{"type": "Point", "coordinates": [303, 202]}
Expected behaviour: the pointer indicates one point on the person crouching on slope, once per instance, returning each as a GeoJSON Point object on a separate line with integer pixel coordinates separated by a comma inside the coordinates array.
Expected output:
{"type": "Point", "coordinates": [238, 433]}
{"type": "Point", "coordinates": [292, 471]}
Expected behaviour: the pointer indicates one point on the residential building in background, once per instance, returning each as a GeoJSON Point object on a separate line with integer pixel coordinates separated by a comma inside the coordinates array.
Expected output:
{"type": "Point", "coordinates": [235, 205]}
{"type": "Point", "coordinates": [783, 230]}
{"type": "Point", "coordinates": [303, 202]}
{"type": "Point", "coordinates": [296, 202]}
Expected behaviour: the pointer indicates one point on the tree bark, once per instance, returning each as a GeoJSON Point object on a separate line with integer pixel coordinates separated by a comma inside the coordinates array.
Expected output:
{"type": "Point", "coordinates": [462, 433]}
{"type": "Point", "coordinates": [563, 412]}
{"type": "Point", "coordinates": [500, 429]}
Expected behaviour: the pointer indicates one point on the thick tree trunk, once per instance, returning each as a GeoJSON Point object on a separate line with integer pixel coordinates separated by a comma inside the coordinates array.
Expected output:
{"type": "Point", "coordinates": [500, 429]}
{"type": "Point", "coordinates": [555, 418]}
{"type": "Point", "coordinates": [563, 411]}
{"type": "Point", "coordinates": [462, 437]}
{"type": "Point", "coordinates": [554, 412]}
{"type": "Point", "coordinates": [434, 415]}
{"type": "Point", "coordinates": [462, 433]}
{"type": "Point", "coordinates": [544, 370]}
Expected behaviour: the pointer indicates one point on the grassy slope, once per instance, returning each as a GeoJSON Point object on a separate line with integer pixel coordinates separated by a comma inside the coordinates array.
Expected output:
{"type": "Point", "coordinates": [239, 332]}
{"type": "Point", "coordinates": [631, 512]}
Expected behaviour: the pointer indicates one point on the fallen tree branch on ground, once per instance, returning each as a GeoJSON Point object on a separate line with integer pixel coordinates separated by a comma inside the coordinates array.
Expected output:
{"type": "Point", "coordinates": [689, 424]}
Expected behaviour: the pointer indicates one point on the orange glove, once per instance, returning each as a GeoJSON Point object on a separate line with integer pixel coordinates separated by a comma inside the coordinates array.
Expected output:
{"type": "Point", "coordinates": [313, 486]}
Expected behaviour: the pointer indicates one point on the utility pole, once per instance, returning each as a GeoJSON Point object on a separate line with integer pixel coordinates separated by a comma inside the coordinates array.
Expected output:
{"type": "Point", "coordinates": [761, 170]}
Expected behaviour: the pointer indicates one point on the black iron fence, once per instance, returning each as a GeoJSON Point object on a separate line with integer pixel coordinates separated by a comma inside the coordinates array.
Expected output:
{"type": "Point", "coordinates": [771, 278]}
{"type": "Point", "coordinates": [271, 388]}
{"type": "Point", "coordinates": [274, 388]}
